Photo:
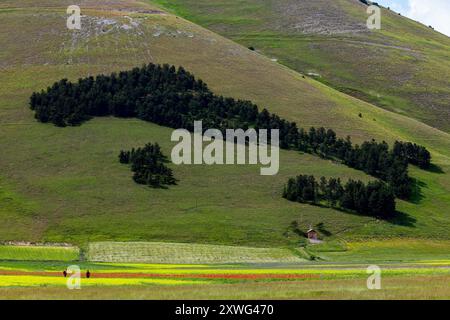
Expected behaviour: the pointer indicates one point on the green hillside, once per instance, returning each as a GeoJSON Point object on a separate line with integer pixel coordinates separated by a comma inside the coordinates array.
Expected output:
{"type": "Point", "coordinates": [66, 184]}
{"type": "Point", "coordinates": [404, 67]}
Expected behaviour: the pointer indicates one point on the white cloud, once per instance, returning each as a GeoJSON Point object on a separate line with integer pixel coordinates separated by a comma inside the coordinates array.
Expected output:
{"type": "Point", "coordinates": [431, 12]}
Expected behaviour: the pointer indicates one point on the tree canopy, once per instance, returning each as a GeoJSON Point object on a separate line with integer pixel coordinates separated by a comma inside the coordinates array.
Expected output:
{"type": "Point", "coordinates": [148, 165]}
{"type": "Point", "coordinates": [173, 97]}
{"type": "Point", "coordinates": [375, 199]}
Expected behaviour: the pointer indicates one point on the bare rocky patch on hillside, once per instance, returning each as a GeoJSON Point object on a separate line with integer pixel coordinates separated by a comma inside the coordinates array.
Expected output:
{"type": "Point", "coordinates": [315, 17]}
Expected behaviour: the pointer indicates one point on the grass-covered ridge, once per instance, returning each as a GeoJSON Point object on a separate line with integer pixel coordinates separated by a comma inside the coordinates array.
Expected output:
{"type": "Point", "coordinates": [66, 185]}
{"type": "Point", "coordinates": [403, 67]}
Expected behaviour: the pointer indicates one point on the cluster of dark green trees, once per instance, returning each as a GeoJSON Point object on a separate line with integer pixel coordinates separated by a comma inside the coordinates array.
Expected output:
{"type": "Point", "coordinates": [174, 98]}
{"type": "Point", "coordinates": [375, 199]}
{"type": "Point", "coordinates": [160, 94]}
{"type": "Point", "coordinates": [148, 165]}
{"type": "Point", "coordinates": [416, 155]}
{"type": "Point", "coordinates": [374, 158]}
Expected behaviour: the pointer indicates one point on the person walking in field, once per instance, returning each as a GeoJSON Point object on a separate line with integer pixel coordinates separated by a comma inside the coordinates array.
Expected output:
{"type": "Point", "coordinates": [88, 274]}
{"type": "Point", "coordinates": [65, 274]}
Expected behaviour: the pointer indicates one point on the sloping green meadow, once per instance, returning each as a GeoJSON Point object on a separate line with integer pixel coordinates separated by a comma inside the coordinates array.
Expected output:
{"type": "Point", "coordinates": [66, 184]}
{"type": "Point", "coordinates": [404, 67]}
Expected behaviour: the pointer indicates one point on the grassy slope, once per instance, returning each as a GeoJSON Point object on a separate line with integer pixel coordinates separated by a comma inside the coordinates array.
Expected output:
{"type": "Point", "coordinates": [404, 67]}
{"type": "Point", "coordinates": [68, 186]}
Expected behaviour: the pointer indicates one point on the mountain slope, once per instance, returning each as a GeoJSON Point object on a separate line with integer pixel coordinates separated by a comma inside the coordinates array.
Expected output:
{"type": "Point", "coordinates": [404, 67]}
{"type": "Point", "coordinates": [65, 184]}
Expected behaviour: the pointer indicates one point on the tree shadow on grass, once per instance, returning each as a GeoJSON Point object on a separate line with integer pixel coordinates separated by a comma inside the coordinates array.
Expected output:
{"type": "Point", "coordinates": [435, 169]}
{"type": "Point", "coordinates": [403, 219]}
{"type": "Point", "coordinates": [416, 194]}
{"type": "Point", "coordinates": [321, 228]}
{"type": "Point", "coordinates": [400, 219]}
{"type": "Point", "coordinates": [321, 205]}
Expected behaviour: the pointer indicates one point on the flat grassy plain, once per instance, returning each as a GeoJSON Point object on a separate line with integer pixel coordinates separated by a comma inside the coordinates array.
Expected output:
{"type": "Point", "coordinates": [256, 278]}
{"type": "Point", "coordinates": [403, 67]}
{"type": "Point", "coordinates": [154, 252]}
{"type": "Point", "coordinates": [138, 281]}
{"type": "Point", "coordinates": [397, 287]}
{"type": "Point", "coordinates": [388, 250]}
{"type": "Point", "coordinates": [39, 253]}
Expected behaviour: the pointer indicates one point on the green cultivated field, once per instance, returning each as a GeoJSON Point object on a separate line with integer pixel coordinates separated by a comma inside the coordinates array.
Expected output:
{"type": "Point", "coordinates": [38, 253]}
{"type": "Point", "coordinates": [388, 250]}
{"type": "Point", "coordinates": [261, 273]}
{"type": "Point", "coordinates": [140, 281]}
{"type": "Point", "coordinates": [179, 253]}
{"type": "Point", "coordinates": [397, 287]}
